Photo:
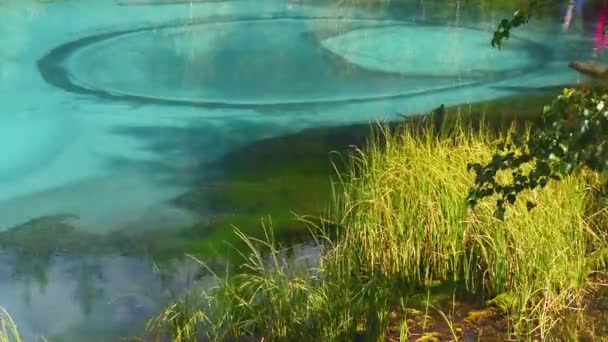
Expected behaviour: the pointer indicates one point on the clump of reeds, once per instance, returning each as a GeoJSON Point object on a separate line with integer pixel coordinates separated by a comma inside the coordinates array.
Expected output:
{"type": "Point", "coordinates": [8, 328]}
{"type": "Point", "coordinates": [400, 222]}
{"type": "Point", "coordinates": [403, 216]}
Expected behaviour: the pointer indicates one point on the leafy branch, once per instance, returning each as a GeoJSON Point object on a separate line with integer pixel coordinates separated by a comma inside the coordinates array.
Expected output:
{"type": "Point", "coordinates": [573, 135]}
{"type": "Point", "coordinates": [503, 31]}
{"type": "Point", "coordinates": [504, 28]}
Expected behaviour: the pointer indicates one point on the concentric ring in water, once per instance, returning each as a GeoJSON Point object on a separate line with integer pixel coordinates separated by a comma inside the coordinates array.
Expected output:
{"type": "Point", "coordinates": [267, 61]}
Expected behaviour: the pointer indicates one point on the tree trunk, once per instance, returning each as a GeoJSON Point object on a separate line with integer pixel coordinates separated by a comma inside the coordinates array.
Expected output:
{"type": "Point", "coordinates": [592, 69]}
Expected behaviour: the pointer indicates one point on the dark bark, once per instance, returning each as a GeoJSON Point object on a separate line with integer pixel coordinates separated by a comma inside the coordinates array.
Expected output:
{"type": "Point", "coordinates": [593, 69]}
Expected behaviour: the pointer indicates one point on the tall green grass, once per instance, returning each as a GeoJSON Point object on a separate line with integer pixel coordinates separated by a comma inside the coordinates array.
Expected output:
{"type": "Point", "coordinates": [399, 224]}
{"type": "Point", "coordinates": [403, 216]}
{"type": "Point", "coordinates": [8, 328]}
{"type": "Point", "coordinates": [270, 297]}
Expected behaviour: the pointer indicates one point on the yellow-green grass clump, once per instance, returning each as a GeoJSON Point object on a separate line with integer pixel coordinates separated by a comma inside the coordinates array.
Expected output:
{"type": "Point", "coordinates": [403, 215]}
{"type": "Point", "coordinates": [400, 225]}
{"type": "Point", "coordinates": [8, 328]}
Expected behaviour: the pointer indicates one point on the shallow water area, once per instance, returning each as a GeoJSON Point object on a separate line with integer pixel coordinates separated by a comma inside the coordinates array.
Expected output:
{"type": "Point", "coordinates": [112, 109]}
{"type": "Point", "coordinates": [101, 103]}
{"type": "Point", "coordinates": [311, 59]}
{"type": "Point", "coordinates": [69, 299]}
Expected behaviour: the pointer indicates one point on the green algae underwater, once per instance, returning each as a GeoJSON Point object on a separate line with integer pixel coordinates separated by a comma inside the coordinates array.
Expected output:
{"type": "Point", "coordinates": [405, 259]}
{"type": "Point", "coordinates": [282, 179]}
{"type": "Point", "coordinates": [288, 181]}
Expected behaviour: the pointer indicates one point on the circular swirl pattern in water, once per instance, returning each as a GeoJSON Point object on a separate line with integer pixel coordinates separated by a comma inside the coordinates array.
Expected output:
{"type": "Point", "coordinates": [269, 61]}
{"type": "Point", "coordinates": [427, 50]}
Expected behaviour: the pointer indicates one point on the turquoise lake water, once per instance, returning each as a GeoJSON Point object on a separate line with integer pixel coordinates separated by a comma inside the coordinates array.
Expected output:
{"type": "Point", "coordinates": [110, 109]}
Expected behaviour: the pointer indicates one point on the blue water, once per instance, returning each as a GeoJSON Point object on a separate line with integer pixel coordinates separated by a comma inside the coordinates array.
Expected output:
{"type": "Point", "coordinates": [112, 108]}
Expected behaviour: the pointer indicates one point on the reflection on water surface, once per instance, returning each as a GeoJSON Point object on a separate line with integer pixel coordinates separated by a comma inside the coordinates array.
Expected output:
{"type": "Point", "coordinates": [112, 109]}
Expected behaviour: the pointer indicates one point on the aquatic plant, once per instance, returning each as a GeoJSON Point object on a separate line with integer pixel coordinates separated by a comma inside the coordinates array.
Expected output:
{"type": "Point", "coordinates": [8, 328]}
{"type": "Point", "coordinates": [269, 297]}
{"type": "Point", "coordinates": [403, 219]}
{"type": "Point", "coordinates": [399, 226]}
